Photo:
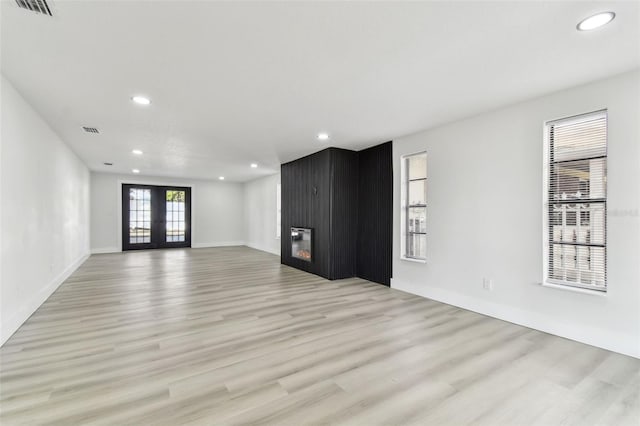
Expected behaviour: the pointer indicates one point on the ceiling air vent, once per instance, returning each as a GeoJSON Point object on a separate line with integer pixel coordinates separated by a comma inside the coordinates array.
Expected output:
{"type": "Point", "coordinates": [90, 129]}
{"type": "Point", "coordinates": [38, 6]}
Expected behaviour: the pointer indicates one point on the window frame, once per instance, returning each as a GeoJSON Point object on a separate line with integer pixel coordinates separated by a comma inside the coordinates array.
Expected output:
{"type": "Point", "coordinates": [546, 213]}
{"type": "Point", "coordinates": [278, 211]}
{"type": "Point", "coordinates": [405, 207]}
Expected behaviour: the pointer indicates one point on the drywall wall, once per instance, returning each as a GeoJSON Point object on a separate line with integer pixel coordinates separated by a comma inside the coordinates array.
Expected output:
{"type": "Point", "coordinates": [217, 210]}
{"type": "Point", "coordinates": [484, 217]}
{"type": "Point", "coordinates": [45, 211]}
{"type": "Point", "coordinates": [260, 214]}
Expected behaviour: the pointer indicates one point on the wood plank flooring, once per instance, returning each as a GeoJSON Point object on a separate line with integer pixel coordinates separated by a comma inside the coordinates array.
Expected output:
{"type": "Point", "coordinates": [230, 336]}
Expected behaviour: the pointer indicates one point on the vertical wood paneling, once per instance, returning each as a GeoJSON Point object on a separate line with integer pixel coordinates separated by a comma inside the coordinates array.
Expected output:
{"type": "Point", "coordinates": [375, 214]}
{"type": "Point", "coordinates": [306, 198]}
{"type": "Point", "coordinates": [344, 213]}
{"type": "Point", "coordinates": [346, 198]}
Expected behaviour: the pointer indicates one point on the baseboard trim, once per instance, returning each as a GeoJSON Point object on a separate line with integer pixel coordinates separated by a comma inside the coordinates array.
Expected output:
{"type": "Point", "coordinates": [217, 244]}
{"type": "Point", "coordinates": [263, 248]}
{"type": "Point", "coordinates": [15, 322]}
{"type": "Point", "coordinates": [103, 250]}
{"type": "Point", "coordinates": [605, 339]}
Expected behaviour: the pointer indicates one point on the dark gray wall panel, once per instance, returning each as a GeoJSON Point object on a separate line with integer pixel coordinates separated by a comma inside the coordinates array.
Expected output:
{"type": "Point", "coordinates": [346, 198]}
{"type": "Point", "coordinates": [344, 213]}
{"type": "Point", "coordinates": [306, 197]}
{"type": "Point", "coordinates": [375, 217]}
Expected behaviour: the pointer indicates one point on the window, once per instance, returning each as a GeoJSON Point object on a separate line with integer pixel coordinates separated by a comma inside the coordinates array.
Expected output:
{"type": "Point", "coordinates": [414, 206]}
{"type": "Point", "coordinates": [576, 201]}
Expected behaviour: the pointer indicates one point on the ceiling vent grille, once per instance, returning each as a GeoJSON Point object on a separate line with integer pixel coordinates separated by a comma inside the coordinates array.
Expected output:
{"type": "Point", "coordinates": [90, 129]}
{"type": "Point", "coordinates": [38, 6]}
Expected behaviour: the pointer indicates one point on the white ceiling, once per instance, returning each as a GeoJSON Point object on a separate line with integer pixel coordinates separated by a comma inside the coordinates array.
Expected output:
{"type": "Point", "coordinates": [235, 82]}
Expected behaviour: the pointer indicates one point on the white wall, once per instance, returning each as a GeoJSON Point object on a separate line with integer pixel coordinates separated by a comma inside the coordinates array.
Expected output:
{"type": "Point", "coordinates": [45, 211]}
{"type": "Point", "coordinates": [484, 217]}
{"type": "Point", "coordinates": [217, 210]}
{"type": "Point", "coordinates": [260, 214]}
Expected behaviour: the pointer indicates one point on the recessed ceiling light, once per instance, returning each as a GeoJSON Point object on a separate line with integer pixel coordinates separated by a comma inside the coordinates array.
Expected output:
{"type": "Point", "coordinates": [136, 152]}
{"type": "Point", "coordinates": [221, 178]}
{"type": "Point", "coordinates": [254, 165]}
{"type": "Point", "coordinates": [596, 21]}
{"type": "Point", "coordinates": [135, 171]}
{"type": "Point", "coordinates": [141, 100]}
{"type": "Point", "coordinates": [323, 136]}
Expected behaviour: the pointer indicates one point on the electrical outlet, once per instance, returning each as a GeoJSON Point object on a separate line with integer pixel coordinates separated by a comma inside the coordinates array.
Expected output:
{"type": "Point", "coordinates": [487, 284]}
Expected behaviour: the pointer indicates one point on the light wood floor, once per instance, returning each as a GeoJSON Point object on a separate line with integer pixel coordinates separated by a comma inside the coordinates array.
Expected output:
{"type": "Point", "coordinates": [229, 336]}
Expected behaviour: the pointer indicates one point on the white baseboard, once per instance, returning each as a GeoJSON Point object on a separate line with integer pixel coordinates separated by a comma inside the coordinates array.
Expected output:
{"type": "Point", "coordinates": [263, 248]}
{"type": "Point", "coordinates": [217, 244]}
{"type": "Point", "coordinates": [102, 250]}
{"type": "Point", "coordinates": [13, 324]}
{"type": "Point", "coordinates": [606, 339]}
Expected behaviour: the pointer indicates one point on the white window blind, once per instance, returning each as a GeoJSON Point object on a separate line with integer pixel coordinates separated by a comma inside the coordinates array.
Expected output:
{"type": "Point", "coordinates": [576, 210]}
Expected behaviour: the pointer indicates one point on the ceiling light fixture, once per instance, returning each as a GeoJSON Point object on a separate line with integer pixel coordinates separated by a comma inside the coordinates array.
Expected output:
{"type": "Point", "coordinates": [141, 100]}
{"type": "Point", "coordinates": [221, 178]}
{"type": "Point", "coordinates": [254, 166]}
{"type": "Point", "coordinates": [323, 136]}
{"type": "Point", "coordinates": [135, 171]}
{"type": "Point", "coordinates": [595, 21]}
{"type": "Point", "coordinates": [136, 152]}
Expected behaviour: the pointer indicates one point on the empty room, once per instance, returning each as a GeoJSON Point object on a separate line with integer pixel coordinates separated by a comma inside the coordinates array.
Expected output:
{"type": "Point", "coordinates": [320, 212]}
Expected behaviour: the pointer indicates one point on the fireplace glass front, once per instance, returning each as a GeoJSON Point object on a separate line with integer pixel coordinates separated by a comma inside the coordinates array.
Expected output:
{"type": "Point", "coordinates": [301, 243]}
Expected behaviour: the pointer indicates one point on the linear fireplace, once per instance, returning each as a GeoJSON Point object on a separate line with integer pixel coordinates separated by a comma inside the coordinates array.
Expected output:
{"type": "Point", "coordinates": [301, 243]}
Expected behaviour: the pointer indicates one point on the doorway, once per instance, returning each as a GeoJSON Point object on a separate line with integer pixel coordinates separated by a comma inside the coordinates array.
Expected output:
{"type": "Point", "coordinates": [155, 217]}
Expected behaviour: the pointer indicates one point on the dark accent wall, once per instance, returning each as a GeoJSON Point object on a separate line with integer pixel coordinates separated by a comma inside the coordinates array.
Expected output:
{"type": "Point", "coordinates": [320, 192]}
{"type": "Point", "coordinates": [341, 194]}
{"type": "Point", "coordinates": [375, 214]}
{"type": "Point", "coordinates": [306, 197]}
{"type": "Point", "coordinates": [344, 213]}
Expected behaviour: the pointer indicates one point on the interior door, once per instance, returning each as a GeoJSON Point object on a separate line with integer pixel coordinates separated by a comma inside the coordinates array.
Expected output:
{"type": "Point", "coordinates": [155, 217]}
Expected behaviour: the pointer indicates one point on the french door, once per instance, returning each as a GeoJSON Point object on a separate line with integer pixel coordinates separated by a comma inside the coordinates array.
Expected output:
{"type": "Point", "coordinates": [155, 217]}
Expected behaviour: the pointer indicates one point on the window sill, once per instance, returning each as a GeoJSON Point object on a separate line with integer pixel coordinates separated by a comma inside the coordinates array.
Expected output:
{"type": "Point", "coordinates": [411, 259]}
{"type": "Point", "coordinates": [574, 289]}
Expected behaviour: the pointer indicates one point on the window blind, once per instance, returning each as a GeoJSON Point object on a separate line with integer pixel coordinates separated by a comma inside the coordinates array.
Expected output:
{"type": "Point", "coordinates": [577, 201]}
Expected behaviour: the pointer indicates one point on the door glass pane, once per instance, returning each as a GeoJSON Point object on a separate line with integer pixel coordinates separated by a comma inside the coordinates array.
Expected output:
{"type": "Point", "coordinates": [139, 216]}
{"type": "Point", "coordinates": [175, 207]}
